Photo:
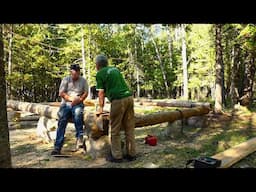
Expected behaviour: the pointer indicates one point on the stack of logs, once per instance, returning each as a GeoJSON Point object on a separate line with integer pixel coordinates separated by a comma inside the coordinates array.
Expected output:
{"type": "Point", "coordinates": [21, 119]}
{"type": "Point", "coordinates": [48, 118]}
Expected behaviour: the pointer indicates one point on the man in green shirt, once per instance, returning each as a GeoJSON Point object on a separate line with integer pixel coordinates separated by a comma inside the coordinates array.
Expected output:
{"type": "Point", "coordinates": [111, 83]}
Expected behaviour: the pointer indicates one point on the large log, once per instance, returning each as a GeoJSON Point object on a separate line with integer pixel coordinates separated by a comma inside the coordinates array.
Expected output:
{"type": "Point", "coordinates": [43, 110]}
{"type": "Point", "coordinates": [187, 104]}
{"type": "Point", "coordinates": [170, 116]}
{"type": "Point", "coordinates": [30, 118]}
{"type": "Point", "coordinates": [52, 113]}
{"type": "Point", "coordinates": [20, 116]}
{"type": "Point", "coordinates": [57, 104]}
{"type": "Point", "coordinates": [236, 153]}
{"type": "Point", "coordinates": [90, 118]}
{"type": "Point", "coordinates": [98, 143]}
{"type": "Point", "coordinates": [21, 124]}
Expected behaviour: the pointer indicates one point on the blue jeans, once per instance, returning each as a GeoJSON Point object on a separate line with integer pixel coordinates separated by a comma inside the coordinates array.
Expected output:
{"type": "Point", "coordinates": [66, 112]}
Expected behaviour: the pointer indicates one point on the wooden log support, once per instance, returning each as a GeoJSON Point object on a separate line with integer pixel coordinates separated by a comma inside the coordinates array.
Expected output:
{"type": "Point", "coordinates": [236, 153]}
{"type": "Point", "coordinates": [46, 128]}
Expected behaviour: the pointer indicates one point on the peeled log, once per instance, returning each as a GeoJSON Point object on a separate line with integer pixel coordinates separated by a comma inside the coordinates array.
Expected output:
{"type": "Point", "coordinates": [89, 117]}
{"type": "Point", "coordinates": [22, 124]}
{"type": "Point", "coordinates": [236, 153]}
{"type": "Point", "coordinates": [52, 113]}
{"type": "Point", "coordinates": [187, 104]}
{"type": "Point", "coordinates": [156, 118]}
{"type": "Point", "coordinates": [42, 110]}
{"type": "Point", "coordinates": [57, 104]}
{"type": "Point", "coordinates": [30, 118]}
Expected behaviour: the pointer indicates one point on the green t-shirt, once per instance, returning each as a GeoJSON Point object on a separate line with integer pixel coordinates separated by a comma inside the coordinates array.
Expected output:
{"type": "Point", "coordinates": [112, 81]}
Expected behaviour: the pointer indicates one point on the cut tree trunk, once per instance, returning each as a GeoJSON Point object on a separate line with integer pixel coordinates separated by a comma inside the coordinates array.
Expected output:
{"type": "Point", "coordinates": [186, 104]}
{"type": "Point", "coordinates": [30, 118]}
{"type": "Point", "coordinates": [156, 118]}
{"type": "Point", "coordinates": [22, 124]}
{"type": "Point", "coordinates": [42, 110]}
{"type": "Point", "coordinates": [97, 144]}
{"type": "Point", "coordinates": [236, 153]}
{"type": "Point", "coordinates": [90, 117]}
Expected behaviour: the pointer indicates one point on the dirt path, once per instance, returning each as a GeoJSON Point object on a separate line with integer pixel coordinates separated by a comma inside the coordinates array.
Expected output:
{"type": "Point", "coordinates": [172, 151]}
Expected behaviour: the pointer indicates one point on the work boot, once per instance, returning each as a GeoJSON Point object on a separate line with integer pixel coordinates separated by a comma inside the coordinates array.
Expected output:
{"type": "Point", "coordinates": [110, 158]}
{"type": "Point", "coordinates": [80, 143]}
{"type": "Point", "coordinates": [130, 158]}
{"type": "Point", "coordinates": [55, 152]}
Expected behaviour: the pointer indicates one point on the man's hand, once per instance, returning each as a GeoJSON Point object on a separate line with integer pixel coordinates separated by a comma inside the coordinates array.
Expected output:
{"type": "Point", "coordinates": [75, 101]}
{"type": "Point", "coordinates": [100, 110]}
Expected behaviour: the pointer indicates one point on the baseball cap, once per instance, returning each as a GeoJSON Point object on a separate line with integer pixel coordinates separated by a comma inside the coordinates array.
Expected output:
{"type": "Point", "coordinates": [75, 67]}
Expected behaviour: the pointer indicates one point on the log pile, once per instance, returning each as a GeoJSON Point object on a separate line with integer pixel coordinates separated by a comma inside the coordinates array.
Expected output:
{"type": "Point", "coordinates": [19, 119]}
{"type": "Point", "coordinates": [90, 117]}
{"type": "Point", "coordinates": [96, 126]}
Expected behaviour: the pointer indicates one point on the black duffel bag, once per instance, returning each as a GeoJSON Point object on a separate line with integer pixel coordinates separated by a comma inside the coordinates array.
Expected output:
{"type": "Point", "coordinates": [204, 162]}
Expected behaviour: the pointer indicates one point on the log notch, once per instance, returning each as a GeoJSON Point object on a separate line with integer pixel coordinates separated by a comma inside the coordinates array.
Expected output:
{"type": "Point", "coordinates": [186, 104]}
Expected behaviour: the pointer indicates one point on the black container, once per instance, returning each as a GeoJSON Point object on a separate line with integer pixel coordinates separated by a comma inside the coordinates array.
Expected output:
{"type": "Point", "coordinates": [204, 162]}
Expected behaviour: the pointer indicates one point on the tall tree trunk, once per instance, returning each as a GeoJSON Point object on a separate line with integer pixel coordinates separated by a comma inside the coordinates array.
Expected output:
{"type": "Point", "coordinates": [83, 53]}
{"type": "Point", "coordinates": [161, 67]}
{"type": "Point", "coordinates": [219, 67]}
{"type": "Point", "coordinates": [247, 97]}
{"type": "Point", "coordinates": [235, 75]}
{"type": "Point", "coordinates": [10, 60]}
{"type": "Point", "coordinates": [137, 79]}
{"type": "Point", "coordinates": [169, 44]}
{"type": "Point", "coordinates": [184, 63]}
{"type": "Point", "coordinates": [227, 51]}
{"type": "Point", "coordinates": [136, 64]}
{"type": "Point", "coordinates": [88, 67]}
{"type": "Point", "coordinates": [5, 154]}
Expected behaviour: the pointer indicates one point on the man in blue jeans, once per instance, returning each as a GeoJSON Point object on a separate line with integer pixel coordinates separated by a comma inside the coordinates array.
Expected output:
{"type": "Point", "coordinates": [73, 90]}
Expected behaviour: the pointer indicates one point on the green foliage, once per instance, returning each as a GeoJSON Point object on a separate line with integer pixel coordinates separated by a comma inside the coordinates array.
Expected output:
{"type": "Point", "coordinates": [42, 53]}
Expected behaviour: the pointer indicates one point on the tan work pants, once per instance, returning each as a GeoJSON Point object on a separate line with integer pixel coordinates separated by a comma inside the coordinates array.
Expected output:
{"type": "Point", "coordinates": [122, 117]}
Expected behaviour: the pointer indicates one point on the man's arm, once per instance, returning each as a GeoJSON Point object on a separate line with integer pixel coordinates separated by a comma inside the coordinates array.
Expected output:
{"type": "Point", "coordinates": [63, 90]}
{"type": "Point", "coordinates": [65, 96]}
{"type": "Point", "coordinates": [79, 100]}
{"type": "Point", "coordinates": [83, 97]}
{"type": "Point", "coordinates": [101, 95]}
